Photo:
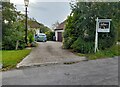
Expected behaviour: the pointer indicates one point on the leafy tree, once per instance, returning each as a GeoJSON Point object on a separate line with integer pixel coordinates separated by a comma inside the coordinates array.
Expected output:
{"type": "Point", "coordinates": [13, 31]}
{"type": "Point", "coordinates": [13, 27]}
{"type": "Point", "coordinates": [81, 26]}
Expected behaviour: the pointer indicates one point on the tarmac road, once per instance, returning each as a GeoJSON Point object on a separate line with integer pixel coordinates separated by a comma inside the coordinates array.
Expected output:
{"type": "Point", "coordinates": [93, 72]}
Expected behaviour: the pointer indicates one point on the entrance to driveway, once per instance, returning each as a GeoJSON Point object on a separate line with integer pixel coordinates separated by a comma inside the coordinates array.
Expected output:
{"type": "Point", "coordinates": [49, 53]}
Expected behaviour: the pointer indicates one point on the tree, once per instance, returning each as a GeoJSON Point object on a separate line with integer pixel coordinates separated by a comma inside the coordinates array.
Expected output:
{"type": "Point", "coordinates": [13, 28]}
{"type": "Point", "coordinates": [81, 26]}
{"type": "Point", "coordinates": [55, 25]}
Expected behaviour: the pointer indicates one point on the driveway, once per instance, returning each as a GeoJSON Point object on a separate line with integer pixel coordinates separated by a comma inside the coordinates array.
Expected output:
{"type": "Point", "coordinates": [93, 72]}
{"type": "Point", "coordinates": [49, 53]}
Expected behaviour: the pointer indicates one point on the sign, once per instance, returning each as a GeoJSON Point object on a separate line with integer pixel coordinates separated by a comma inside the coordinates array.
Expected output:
{"type": "Point", "coordinates": [103, 25]}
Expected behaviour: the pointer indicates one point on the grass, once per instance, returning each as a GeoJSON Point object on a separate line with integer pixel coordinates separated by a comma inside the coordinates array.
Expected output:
{"type": "Point", "coordinates": [111, 52]}
{"type": "Point", "coordinates": [0, 57]}
{"type": "Point", "coordinates": [11, 58]}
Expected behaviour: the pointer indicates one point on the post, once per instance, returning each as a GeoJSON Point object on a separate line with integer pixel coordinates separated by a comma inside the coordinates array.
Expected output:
{"type": "Point", "coordinates": [26, 26]}
{"type": "Point", "coordinates": [96, 36]}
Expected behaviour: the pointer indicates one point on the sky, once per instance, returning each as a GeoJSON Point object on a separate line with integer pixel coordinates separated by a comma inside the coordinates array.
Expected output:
{"type": "Point", "coordinates": [46, 12]}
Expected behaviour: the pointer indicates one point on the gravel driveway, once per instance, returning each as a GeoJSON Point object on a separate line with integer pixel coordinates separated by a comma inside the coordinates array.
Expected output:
{"type": "Point", "coordinates": [49, 53]}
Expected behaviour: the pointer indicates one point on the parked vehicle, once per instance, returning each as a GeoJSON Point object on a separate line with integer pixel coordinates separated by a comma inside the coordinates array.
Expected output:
{"type": "Point", "coordinates": [41, 37]}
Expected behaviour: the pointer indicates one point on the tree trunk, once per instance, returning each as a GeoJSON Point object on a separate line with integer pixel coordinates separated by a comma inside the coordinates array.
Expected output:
{"type": "Point", "coordinates": [17, 42]}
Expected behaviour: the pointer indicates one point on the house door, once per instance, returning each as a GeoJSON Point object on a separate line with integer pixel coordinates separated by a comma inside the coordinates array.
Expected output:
{"type": "Point", "coordinates": [60, 36]}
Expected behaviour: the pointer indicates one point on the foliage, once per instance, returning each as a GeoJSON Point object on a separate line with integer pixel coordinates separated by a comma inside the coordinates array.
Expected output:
{"type": "Point", "coordinates": [50, 35]}
{"type": "Point", "coordinates": [82, 46]}
{"type": "Point", "coordinates": [81, 23]}
{"type": "Point", "coordinates": [44, 29]}
{"type": "Point", "coordinates": [31, 38]}
{"type": "Point", "coordinates": [0, 57]}
{"type": "Point", "coordinates": [31, 35]}
{"type": "Point", "coordinates": [35, 24]}
{"type": "Point", "coordinates": [13, 30]}
{"type": "Point", "coordinates": [11, 61]}
{"type": "Point", "coordinates": [68, 42]}
{"type": "Point", "coordinates": [110, 52]}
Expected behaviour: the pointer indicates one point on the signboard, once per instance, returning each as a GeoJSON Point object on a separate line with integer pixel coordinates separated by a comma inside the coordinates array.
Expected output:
{"type": "Point", "coordinates": [103, 25]}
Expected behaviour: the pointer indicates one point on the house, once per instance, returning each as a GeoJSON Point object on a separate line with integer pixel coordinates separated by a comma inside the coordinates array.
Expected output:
{"type": "Point", "coordinates": [34, 25]}
{"type": "Point", "coordinates": [59, 31]}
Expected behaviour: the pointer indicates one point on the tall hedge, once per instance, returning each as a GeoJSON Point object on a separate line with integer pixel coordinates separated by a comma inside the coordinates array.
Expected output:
{"type": "Point", "coordinates": [81, 26]}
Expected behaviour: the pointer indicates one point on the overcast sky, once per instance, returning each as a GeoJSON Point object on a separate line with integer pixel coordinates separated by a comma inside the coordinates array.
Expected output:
{"type": "Point", "coordinates": [45, 12]}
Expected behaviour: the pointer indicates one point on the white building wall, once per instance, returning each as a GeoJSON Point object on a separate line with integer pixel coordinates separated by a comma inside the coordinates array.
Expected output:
{"type": "Point", "coordinates": [37, 31]}
{"type": "Point", "coordinates": [56, 33]}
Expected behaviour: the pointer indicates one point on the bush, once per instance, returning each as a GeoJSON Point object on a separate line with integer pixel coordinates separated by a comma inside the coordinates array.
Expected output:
{"type": "Point", "coordinates": [107, 40]}
{"type": "Point", "coordinates": [50, 35]}
{"type": "Point", "coordinates": [30, 37]}
{"type": "Point", "coordinates": [8, 43]}
{"type": "Point", "coordinates": [81, 23]}
{"type": "Point", "coordinates": [68, 42]}
{"type": "Point", "coordinates": [83, 47]}
{"type": "Point", "coordinates": [21, 45]}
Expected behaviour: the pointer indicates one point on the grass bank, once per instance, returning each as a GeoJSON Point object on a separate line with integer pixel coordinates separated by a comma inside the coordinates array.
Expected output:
{"type": "Point", "coordinates": [0, 57]}
{"type": "Point", "coordinates": [11, 58]}
{"type": "Point", "coordinates": [111, 52]}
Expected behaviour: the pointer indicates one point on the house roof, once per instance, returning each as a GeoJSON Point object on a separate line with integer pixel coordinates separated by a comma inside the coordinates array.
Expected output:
{"type": "Point", "coordinates": [33, 24]}
{"type": "Point", "coordinates": [61, 26]}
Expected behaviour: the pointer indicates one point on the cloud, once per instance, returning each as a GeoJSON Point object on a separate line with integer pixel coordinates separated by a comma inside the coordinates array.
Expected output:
{"type": "Point", "coordinates": [52, 0]}
{"type": "Point", "coordinates": [36, 1]}
{"type": "Point", "coordinates": [45, 12]}
{"type": "Point", "coordinates": [49, 12]}
{"type": "Point", "coordinates": [17, 1]}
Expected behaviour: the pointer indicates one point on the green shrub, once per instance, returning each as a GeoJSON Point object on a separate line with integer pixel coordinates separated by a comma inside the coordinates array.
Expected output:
{"type": "Point", "coordinates": [30, 37]}
{"type": "Point", "coordinates": [107, 40]}
{"type": "Point", "coordinates": [83, 47]}
{"type": "Point", "coordinates": [50, 35]}
{"type": "Point", "coordinates": [68, 42]}
{"type": "Point", "coordinates": [8, 42]}
{"type": "Point", "coordinates": [81, 23]}
{"type": "Point", "coordinates": [21, 45]}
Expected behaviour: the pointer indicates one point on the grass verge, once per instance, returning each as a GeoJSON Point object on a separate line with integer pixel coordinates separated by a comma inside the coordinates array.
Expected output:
{"type": "Point", "coordinates": [0, 57]}
{"type": "Point", "coordinates": [111, 52]}
{"type": "Point", "coordinates": [11, 58]}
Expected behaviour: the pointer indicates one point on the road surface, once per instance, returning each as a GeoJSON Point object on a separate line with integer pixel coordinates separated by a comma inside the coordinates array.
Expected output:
{"type": "Point", "coordinates": [49, 53]}
{"type": "Point", "coordinates": [93, 72]}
